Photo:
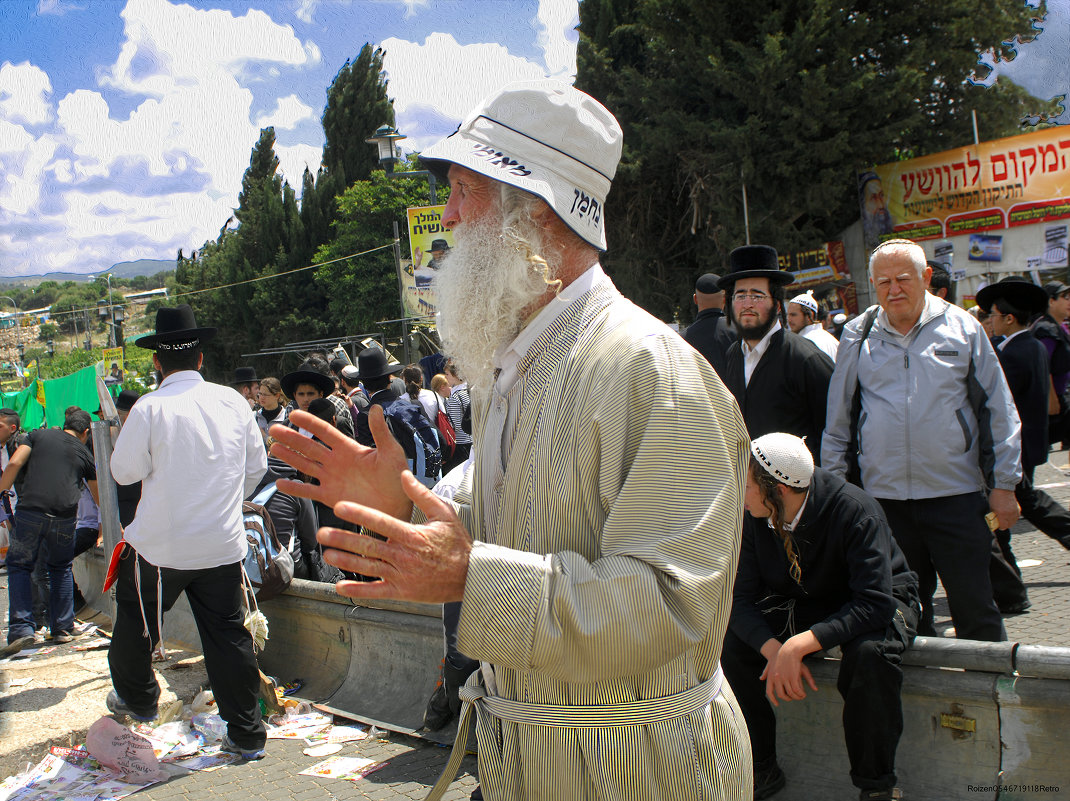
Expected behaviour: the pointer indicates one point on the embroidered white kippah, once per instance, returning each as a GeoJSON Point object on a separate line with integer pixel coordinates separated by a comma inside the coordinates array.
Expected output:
{"type": "Point", "coordinates": [785, 457]}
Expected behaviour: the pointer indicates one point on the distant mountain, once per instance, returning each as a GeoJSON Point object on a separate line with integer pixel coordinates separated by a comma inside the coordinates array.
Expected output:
{"type": "Point", "coordinates": [124, 269]}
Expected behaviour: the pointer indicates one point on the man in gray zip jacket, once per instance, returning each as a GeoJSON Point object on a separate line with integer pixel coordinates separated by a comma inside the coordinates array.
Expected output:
{"type": "Point", "coordinates": [937, 428]}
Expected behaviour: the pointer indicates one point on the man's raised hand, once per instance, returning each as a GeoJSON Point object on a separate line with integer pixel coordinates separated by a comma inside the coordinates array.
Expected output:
{"type": "Point", "coordinates": [345, 469]}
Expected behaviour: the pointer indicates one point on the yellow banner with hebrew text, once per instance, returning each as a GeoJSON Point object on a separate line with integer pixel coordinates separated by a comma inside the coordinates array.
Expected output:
{"type": "Point", "coordinates": [1019, 180]}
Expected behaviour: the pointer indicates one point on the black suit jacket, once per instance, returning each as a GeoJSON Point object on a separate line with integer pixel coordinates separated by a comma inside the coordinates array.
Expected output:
{"type": "Point", "coordinates": [788, 390]}
{"type": "Point", "coordinates": [711, 335]}
{"type": "Point", "coordinates": [1025, 363]}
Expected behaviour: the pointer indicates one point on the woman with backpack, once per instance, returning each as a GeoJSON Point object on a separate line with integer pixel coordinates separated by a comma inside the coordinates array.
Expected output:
{"type": "Point", "coordinates": [413, 376]}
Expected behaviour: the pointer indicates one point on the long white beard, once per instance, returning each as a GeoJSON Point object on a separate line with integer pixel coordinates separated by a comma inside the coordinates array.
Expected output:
{"type": "Point", "coordinates": [482, 292]}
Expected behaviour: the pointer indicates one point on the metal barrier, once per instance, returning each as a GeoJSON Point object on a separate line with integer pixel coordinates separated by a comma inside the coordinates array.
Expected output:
{"type": "Point", "coordinates": [977, 716]}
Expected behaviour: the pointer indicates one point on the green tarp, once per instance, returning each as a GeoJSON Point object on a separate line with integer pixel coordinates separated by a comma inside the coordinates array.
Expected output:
{"type": "Point", "coordinates": [46, 401]}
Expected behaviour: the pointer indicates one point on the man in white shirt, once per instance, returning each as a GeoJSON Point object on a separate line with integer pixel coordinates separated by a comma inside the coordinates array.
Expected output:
{"type": "Point", "coordinates": [803, 319]}
{"type": "Point", "coordinates": [198, 452]}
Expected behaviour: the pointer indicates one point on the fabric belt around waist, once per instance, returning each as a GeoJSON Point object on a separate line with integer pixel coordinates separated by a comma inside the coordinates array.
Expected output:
{"type": "Point", "coordinates": [629, 713]}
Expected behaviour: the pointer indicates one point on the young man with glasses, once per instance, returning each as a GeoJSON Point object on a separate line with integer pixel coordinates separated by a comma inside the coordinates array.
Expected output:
{"type": "Point", "coordinates": [780, 379]}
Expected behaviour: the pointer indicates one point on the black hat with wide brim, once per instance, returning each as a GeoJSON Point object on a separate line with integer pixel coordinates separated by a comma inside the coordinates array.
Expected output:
{"type": "Point", "coordinates": [244, 375]}
{"type": "Point", "coordinates": [372, 363]}
{"type": "Point", "coordinates": [321, 381]}
{"type": "Point", "coordinates": [176, 330]}
{"type": "Point", "coordinates": [1019, 291]}
{"type": "Point", "coordinates": [754, 261]}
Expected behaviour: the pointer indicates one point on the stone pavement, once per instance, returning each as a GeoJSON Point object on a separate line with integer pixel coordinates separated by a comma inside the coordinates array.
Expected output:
{"type": "Point", "coordinates": [65, 700]}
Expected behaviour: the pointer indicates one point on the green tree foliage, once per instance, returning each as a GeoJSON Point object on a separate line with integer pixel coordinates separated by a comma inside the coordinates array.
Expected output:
{"type": "Point", "coordinates": [792, 98]}
{"type": "Point", "coordinates": [364, 290]}
{"type": "Point", "coordinates": [356, 105]}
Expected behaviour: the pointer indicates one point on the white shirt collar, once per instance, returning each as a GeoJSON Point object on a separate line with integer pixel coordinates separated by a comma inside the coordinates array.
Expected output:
{"type": "Point", "coordinates": [751, 356]}
{"type": "Point", "coordinates": [1003, 344]}
{"type": "Point", "coordinates": [512, 353]}
{"type": "Point", "coordinates": [181, 375]}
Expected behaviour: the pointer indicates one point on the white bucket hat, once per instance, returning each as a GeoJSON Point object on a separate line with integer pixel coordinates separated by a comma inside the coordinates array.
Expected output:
{"type": "Point", "coordinates": [545, 137]}
{"type": "Point", "coordinates": [785, 457]}
{"type": "Point", "coordinates": [807, 300]}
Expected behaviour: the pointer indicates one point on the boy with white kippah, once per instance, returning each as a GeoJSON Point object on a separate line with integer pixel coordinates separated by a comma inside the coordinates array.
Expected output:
{"type": "Point", "coordinates": [804, 318]}
{"type": "Point", "coordinates": [818, 567]}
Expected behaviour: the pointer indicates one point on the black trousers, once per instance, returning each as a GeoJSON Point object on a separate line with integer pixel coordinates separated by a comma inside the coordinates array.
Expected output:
{"type": "Point", "coordinates": [1042, 511]}
{"type": "Point", "coordinates": [950, 538]}
{"type": "Point", "coordinates": [215, 598]}
{"type": "Point", "coordinates": [870, 682]}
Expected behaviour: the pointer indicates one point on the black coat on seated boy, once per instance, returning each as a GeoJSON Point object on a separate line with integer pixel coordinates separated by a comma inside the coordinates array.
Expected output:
{"type": "Point", "coordinates": [818, 568]}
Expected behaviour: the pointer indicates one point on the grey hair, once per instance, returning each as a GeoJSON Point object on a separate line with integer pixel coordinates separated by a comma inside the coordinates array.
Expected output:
{"type": "Point", "coordinates": [900, 247]}
{"type": "Point", "coordinates": [518, 227]}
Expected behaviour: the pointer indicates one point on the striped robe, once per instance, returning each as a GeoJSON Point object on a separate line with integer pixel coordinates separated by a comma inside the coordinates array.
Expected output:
{"type": "Point", "coordinates": [608, 575]}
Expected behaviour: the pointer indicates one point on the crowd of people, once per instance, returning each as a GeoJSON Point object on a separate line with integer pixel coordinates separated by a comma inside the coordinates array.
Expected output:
{"type": "Point", "coordinates": [637, 540]}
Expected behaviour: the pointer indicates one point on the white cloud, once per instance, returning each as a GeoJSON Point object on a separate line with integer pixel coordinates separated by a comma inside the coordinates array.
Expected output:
{"type": "Point", "coordinates": [294, 158]}
{"type": "Point", "coordinates": [288, 112]}
{"type": "Point", "coordinates": [23, 159]}
{"type": "Point", "coordinates": [557, 36]}
{"type": "Point", "coordinates": [168, 44]}
{"type": "Point", "coordinates": [167, 174]}
{"type": "Point", "coordinates": [448, 77]}
{"type": "Point", "coordinates": [412, 5]}
{"type": "Point", "coordinates": [1040, 65]}
{"type": "Point", "coordinates": [24, 89]}
{"type": "Point", "coordinates": [305, 11]}
{"type": "Point", "coordinates": [56, 7]}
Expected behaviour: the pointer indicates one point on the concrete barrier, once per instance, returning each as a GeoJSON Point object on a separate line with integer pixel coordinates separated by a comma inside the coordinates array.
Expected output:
{"type": "Point", "coordinates": [977, 716]}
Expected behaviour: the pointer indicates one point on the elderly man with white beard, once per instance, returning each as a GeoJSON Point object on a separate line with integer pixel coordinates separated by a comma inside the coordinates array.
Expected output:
{"type": "Point", "coordinates": [593, 544]}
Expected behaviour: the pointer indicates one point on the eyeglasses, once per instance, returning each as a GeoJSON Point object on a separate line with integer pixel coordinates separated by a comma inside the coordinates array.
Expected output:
{"type": "Point", "coordinates": [752, 297]}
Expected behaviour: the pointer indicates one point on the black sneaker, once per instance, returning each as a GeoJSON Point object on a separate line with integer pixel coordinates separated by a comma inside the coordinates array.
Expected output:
{"type": "Point", "coordinates": [248, 754]}
{"type": "Point", "coordinates": [117, 706]}
{"type": "Point", "coordinates": [891, 794]}
{"type": "Point", "coordinates": [769, 779]}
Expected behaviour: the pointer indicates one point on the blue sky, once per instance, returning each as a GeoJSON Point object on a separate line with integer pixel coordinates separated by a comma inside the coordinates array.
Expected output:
{"type": "Point", "coordinates": [126, 125]}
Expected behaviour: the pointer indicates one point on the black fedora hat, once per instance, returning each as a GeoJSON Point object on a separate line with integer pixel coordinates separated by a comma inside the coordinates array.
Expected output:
{"type": "Point", "coordinates": [1019, 291]}
{"type": "Point", "coordinates": [176, 329]}
{"type": "Point", "coordinates": [244, 375]}
{"type": "Point", "coordinates": [439, 244]}
{"type": "Point", "coordinates": [754, 261]}
{"type": "Point", "coordinates": [303, 375]}
{"type": "Point", "coordinates": [372, 363]}
{"type": "Point", "coordinates": [126, 400]}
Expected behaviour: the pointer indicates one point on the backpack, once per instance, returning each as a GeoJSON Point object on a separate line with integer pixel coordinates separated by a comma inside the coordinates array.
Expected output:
{"type": "Point", "coordinates": [268, 565]}
{"type": "Point", "coordinates": [418, 438]}
{"type": "Point", "coordinates": [447, 435]}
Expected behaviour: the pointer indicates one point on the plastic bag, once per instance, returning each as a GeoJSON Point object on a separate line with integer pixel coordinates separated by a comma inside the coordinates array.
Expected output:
{"type": "Point", "coordinates": [123, 751]}
{"type": "Point", "coordinates": [3, 545]}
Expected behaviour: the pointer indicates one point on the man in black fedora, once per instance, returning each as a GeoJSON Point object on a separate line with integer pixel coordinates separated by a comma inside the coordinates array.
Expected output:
{"type": "Point", "coordinates": [375, 372]}
{"type": "Point", "coordinates": [197, 450]}
{"type": "Point", "coordinates": [1012, 303]}
{"type": "Point", "coordinates": [246, 382]}
{"type": "Point", "coordinates": [311, 380]}
{"type": "Point", "coordinates": [425, 274]}
{"type": "Point", "coordinates": [780, 379]}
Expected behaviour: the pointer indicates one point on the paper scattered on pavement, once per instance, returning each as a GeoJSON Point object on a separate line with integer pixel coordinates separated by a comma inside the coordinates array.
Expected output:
{"type": "Point", "coordinates": [349, 768]}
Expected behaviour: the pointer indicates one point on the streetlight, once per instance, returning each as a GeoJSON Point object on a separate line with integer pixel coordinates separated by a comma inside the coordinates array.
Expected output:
{"type": "Point", "coordinates": [385, 138]}
{"type": "Point", "coordinates": [18, 334]}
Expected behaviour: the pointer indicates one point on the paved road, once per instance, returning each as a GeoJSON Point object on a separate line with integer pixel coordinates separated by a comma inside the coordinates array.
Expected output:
{"type": "Point", "coordinates": [415, 764]}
